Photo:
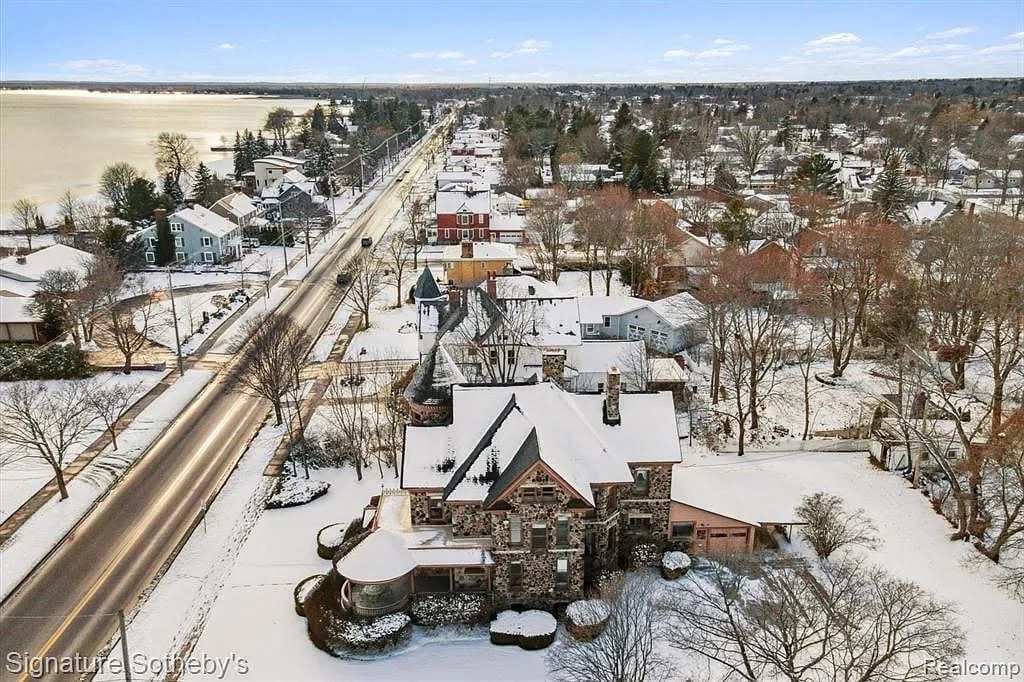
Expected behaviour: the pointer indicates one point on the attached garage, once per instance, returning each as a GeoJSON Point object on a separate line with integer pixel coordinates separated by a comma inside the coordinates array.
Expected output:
{"type": "Point", "coordinates": [703, 531]}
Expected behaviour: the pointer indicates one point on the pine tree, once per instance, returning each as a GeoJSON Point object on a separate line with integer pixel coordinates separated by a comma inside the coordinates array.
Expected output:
{"type": "Point", "coordinates": [892, 192]}
{"type": "Point", "coordinates": [634, 180]}
{"type": "Point", "coordinates": [826, 134]}
{"type": "Point", "coordinates": [817, 175]}
{"type": "Point", "coordinates": [318, 123]}
{"type": "Point", "coordinates": [202, 186]}
{"type": "Point", "coordinates": [172, 190]}
{"type": "Point", "coordinates": [262, 148]}
{"type": "Point", "coordinates": [164, 242]}
{"type": "Point", "coordinates": [623, 117]}
{"type": "Point", "coordinates": [784, 135]}
{"type": "Point", "coordinates": [239, 156]}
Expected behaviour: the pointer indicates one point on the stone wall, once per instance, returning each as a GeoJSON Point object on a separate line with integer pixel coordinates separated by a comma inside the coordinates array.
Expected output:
{"type": "Point", "coordinates": [420, 513]}
{"type": "Point", "coordinates": [656, 502]}
{"type": "Point", "coordinates": [469, 520]}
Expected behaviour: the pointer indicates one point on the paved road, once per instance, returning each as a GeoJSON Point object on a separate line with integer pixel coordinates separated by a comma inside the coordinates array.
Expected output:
{"type": "Point", "coordinates": [67, 605]}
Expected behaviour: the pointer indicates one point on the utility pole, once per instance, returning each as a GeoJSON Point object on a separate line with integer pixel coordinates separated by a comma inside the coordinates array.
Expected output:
{"type": "Point", "coordinates": [124, 646]}
{"type": "Point", "coordinates": [174, 314]}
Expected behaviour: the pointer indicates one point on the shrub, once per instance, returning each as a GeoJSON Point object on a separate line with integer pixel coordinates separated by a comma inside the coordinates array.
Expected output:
{"type": "Point", "coordinates": [293, 492]}
{"type": "Point", "coordinates": [585, 619]}
{"type": "Point", "coordinates": [376, 634]}
{"type": "Point", "coordinates": [643, 554]}
{"type": "Point", "coordinates": [24, 362]}
{"type": "Point", "coordinates": [450, 609]}
{"type": "Point", "coordinates": [329, 539]}
{"type": "Point", "coordinates": [674, 565]}
{"type": "Point", "coordinates": [303, 590]}
{"type": "Point", "coordinates": [531, 630]}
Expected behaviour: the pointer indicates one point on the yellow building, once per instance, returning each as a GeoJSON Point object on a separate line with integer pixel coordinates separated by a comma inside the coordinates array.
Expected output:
{"type": "Point", "coordinates": [472, 262]}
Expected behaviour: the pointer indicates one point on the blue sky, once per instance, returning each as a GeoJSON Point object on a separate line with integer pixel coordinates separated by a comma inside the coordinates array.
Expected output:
{"type": "Point", "coordinates": [557, 41]}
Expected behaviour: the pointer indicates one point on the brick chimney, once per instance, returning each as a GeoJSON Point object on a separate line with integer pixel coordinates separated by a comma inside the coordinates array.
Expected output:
{"type": "Point", "coordinates": [467, 249]}
{"type": "Point", "coordinates": [454, 295]}
{"type": "Point", "coordinates": [159, 214]}
{"type": "Point", "coordinates": [612, 389]}
{"type": "Point", "coordinates": [492, 286]}
{"type": "Point", "coordinates": [553, 365]}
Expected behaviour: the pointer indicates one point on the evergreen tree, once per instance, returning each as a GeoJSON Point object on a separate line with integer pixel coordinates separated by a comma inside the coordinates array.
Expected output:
{"type": "Point", "coordinates": [623, 117]}
{"type": "Point", "coordinates": [318, 122]}
{"type": "Point", "coordinates": [114, 239]}
{"type": "Point", "coordinates": [202, 185]}
{"type": "Point", "coordinates": [725, 182]}
{"type": "Point", "coordinates": [262, 147]}
{"type": "Point", "coordinates": [817, 175]}
{"type": "Point", "coordinates": [164, 242]}
{"type": "Point", "coordinates": [634, 180]}
{"type": "Point", "coordinates": [239, 154]}
{"type": "Point", "coordinates": [172, 190]}
{"type": "Point", "coordinates": [734, 224]}
{"type": "Point", "coordinates": [141, 200]}
{"type": "Point", "coordinates": [892, 192]}
{"type": "Point", "coordinates": [784, 135]}
{"type": "Point", "coordinates": [826, 134]}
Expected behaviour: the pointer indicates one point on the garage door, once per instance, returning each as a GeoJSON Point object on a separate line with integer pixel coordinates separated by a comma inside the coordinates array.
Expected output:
{"type": "Point", "coordinates": [725, 540]}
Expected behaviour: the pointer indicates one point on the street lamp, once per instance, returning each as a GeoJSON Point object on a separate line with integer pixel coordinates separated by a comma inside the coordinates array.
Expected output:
{"type": "Point", "coordinates": [174, 314]}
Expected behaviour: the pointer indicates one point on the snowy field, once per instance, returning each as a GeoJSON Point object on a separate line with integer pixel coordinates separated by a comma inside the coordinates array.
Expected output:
{"type": "Point", "coordinates": [20, 478]}
{"type": "Point", "coordinates": [189, 309]}
{"type": "Point", "coordinates": [44, 528]}
{"type": "Point", "coordinates": [575, 282]}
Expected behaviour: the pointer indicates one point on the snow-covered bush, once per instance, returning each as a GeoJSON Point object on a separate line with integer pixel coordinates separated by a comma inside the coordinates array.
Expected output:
{"type": "Point", "coordinates": [56, 361]}
{"type": "Point", "coordinates": [377, 634]}
{"type": "Point", "coordinates": [450, 609]}
{"type": "Point", "coordinates": [643, 554]}
{"type": "Point", "coordinates": [585, 619]}
{"type": "Point", "coordinates": [529, 629]}
{"type": "Point", "coordinates": [329, 539]}
{"type": "Point", "coordinates": [674, 565]}
{"type": "Point", "coordinates": [292, 492]}
{"type": "Point", "coordinates": [303, 590]}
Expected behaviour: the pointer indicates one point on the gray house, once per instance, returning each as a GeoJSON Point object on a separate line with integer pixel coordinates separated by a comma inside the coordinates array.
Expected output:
{"type": "Point", "coordinates": [669, 325]}
{"type": "Point", "coordinates": [200, 236]}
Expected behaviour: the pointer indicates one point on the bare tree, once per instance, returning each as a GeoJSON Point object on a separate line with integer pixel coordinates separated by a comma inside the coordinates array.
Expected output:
{"type": "Point", "coordinates": [635, 361]}
{"type": "Point", "coordinates": [806, 352]}
{"type": "Point", "coordinates": [175, 155]}
{"type": "Point", "coordinates": [115, 183]}
{"type": "Point", "coordinates": [67, 208]}
{"type": "Point", "coordinates": [829, 527]}
{"type": "Point", "coordinates": [274, 355]}
{"type": "Point", "coordinates": [110, 402]}
{"type": "Point", "coordinates": [416, 211]}
{"type": "Point", "coordinates": [280, 122]}
{"type": "Point", "coordinates": [349, 432]}
{"type": "Point", "coordinates": [750, 143]}
{"type": "Point", "coordinates": [47, 422]}
{"type": "Point", "coordinates": [367, 282]}
{"type": "Point", "coordinates": [548, 224]}
{"type": "Point", "coordinates": [24, 213]}
{"type": "Point", "coordinates": [397, 256]}
{"type": "Point", "coordinates": [131, 315]}
{"type": "Point", "coordinates": [776, 621]}
{"type": "Point", "coordinates": [490, 340]}
{"type": "Point", "coordinates": [627, 650]}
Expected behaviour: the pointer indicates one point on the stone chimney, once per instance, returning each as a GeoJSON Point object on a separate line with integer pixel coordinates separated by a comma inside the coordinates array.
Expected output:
{"type": "Point", "coordinates": [454, 295]}
{"type": "Point", "coordinates": [612, 389]}
{"type": "Point", "coordinates": [492, 286]}
{"type": "Point", "coordinates": [467, 249]}
{"type": "Point", "coordinates": [159, 214]}
{"type": "Point", "coordinates": [553, 366]}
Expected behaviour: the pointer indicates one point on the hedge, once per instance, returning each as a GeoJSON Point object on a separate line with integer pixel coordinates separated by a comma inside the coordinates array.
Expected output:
{"type": "Point", "coordinates": [20, 362]}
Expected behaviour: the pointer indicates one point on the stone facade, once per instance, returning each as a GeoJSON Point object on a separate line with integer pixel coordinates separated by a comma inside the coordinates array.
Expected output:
{"type": "Point", "coordinates": [420, 502]}
{"type": "Point", "coordinates": [655, 502]}
{"type": "Point", "coordinates": [470, 520]}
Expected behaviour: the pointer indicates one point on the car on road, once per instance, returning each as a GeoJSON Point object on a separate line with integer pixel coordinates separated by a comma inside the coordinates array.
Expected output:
{"type": "Point", "coordinates": [366, 242]}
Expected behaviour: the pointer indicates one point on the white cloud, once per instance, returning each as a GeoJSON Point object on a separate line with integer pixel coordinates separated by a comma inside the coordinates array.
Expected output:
{"type": "Point", "coordinates": [913, 51]}
{"type": "Point", "coordinates": [995, 49]}
{"type": "Point", "coordinates": [468, 62]}
{"type": "Point", "coordinates": [102, 68]}
{"type": "Point", "coordinates": [722, 41]}
{"type": "Point", "coordinates": [676, 54]}
{"type": "Point", "coordinates": [450, 54]}
{"type": "Point", "coordinates": [227, 46]}
{"type": "Point", "coordinates": [951, 32]}
{"type": "Point", "coordinates": [528, 46]}
{"type": "Point", "coordinates": [723, 51]}
{"type": "Point", "coordinates": [831, 42]}
{"type": "Point", "coordinates": [421, 55]}
{"type": "Point", "coordinates": [1016, 36]}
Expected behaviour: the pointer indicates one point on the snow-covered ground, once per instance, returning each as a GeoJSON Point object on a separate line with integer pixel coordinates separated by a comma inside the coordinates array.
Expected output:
{"type": "Point", "coordinates": [44, 528]}
{"type": "Point", "coordinates": [189, 309]}
{"type": "Point", "coordinates": [575, 282]}
{"type": "Point", "coordinates": [20, 478]}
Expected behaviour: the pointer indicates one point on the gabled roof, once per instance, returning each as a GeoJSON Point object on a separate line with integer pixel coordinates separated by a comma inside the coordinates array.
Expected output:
{"type": "Point", "coordinates": [55, 257]}
{"type": "Point", "coordinates": [205, 220]}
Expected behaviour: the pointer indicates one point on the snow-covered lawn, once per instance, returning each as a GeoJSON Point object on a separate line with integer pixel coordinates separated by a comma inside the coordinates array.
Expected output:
{"type": "Point", "coordinates": [190, 309]}
{"type": "Point", "coordinates": [575, 282]}
{"type": "Point", "coordinates": [21, 478]}
{"type": "Point", "coordinates": [44, 528]}
{"type": "Point", "coordinates": [914, 544]}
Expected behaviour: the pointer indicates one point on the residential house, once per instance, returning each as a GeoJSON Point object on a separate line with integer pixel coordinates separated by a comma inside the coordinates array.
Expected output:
{"type": "Point", "coordinates": [236, 207]}
{"type": "Point", "coordinates": [269, 169]}
{"type": "Point", "coordinates": [470, 263]}
{"type": "Point", "coordinates": [200, 237]}
{"type": "Point", "coordinates": [669, 325]}
{"type": "Point", "coordinates": [19, 282]}
{"type": "Point", "coordinates": [463, 214]}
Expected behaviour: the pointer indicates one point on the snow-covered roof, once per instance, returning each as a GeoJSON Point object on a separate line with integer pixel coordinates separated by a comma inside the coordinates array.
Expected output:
{"type": "Point", "coordinates": [481, 251]}
{"type": "Point", "coordinates": [15, 309]}
{"type": "Point", "coordinates": [55, 257]}
{"type": "Point", "coordinates": [379, 558]}
{"type": "Point", "coordinates": [237, 204]}
{"type": "Point", "coordinates": [462, 202]}
{"type": "Point", "coordinates": [495, 429]}
{"type": "Point", "coordinates": [594, 308]}
{"type": "Point", "coordinates": [924, 212]}
{"type": "Point", "coordinates": [278, 161]}
{"type": "Point", "coordinates": [679, 309]}
{"type": "Point", "coordinates": [16, 287]}
{"type": "Point", "coordinates": [592, 357]}
{"type": "Point", "coordinates": [205, 219]}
